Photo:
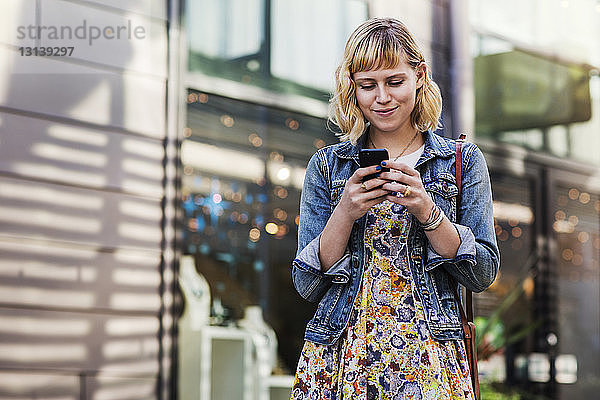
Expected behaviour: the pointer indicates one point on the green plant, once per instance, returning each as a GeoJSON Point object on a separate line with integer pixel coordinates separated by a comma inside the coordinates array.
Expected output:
{"type": "Point", "coordinates": [490, 391]}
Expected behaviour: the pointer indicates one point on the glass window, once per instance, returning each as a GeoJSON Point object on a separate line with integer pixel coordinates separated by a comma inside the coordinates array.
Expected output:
{"type": "Point", "coordinates": [502, 334]}
{"type": "Point", "coordinates": [282, 45]}
{"type": "Point", "coordinates": [243, 169]}
{"type": "Point", "coordinates": [536, 102]}
{"type": "Point", "coordinates": [225, 29]}
{"type": "Point", "coordinates": [536, 75]}
{"type": "Point", "coordinates": [563, 26]}
{"type": "Point", "coordinates": [576, 226]}
{"type": "Point", "coordinates": [309, 36]}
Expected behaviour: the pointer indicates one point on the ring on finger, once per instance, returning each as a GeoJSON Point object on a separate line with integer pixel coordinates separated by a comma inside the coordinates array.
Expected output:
{"type": "Point", "coordinates": [407, 191]}
{"type": "Point", "coordinates": [363, 186]}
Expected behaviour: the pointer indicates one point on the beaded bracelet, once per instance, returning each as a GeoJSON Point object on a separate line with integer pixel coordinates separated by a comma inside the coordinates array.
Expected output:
{"type": "Point", "coordinates": [435, 219]}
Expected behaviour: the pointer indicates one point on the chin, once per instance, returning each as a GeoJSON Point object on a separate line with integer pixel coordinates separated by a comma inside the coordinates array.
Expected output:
{"type": "Point", "coordinates": [387, 127]}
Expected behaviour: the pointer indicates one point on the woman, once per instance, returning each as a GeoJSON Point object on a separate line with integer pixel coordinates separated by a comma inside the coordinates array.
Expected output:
{"type": "Point", "coordinates": [382, 256]}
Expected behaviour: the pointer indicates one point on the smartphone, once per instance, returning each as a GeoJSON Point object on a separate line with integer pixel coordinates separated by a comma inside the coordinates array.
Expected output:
{"type": "Point", "coordinates": [368, 157]}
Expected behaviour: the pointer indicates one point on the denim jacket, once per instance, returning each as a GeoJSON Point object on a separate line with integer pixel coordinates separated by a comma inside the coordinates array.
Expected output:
{"type": "Point", "coordinates": [475, 265]}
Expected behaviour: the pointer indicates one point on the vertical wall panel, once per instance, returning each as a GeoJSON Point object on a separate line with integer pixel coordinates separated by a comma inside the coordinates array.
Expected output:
{"type": "Point", "coordinates": [60, 89]}
{"type": "Point", "coordinates": [81, 201]}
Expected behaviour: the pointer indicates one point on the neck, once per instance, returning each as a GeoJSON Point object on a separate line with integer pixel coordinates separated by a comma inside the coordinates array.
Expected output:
{"type": "Point", "coordinates": [396, 144]}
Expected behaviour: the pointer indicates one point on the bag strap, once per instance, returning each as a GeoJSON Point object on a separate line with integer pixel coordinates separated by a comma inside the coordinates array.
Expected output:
{"type": "Point", "coordinates": [469, 294]}
{"type": "Point", "coordinates": [463, 318]}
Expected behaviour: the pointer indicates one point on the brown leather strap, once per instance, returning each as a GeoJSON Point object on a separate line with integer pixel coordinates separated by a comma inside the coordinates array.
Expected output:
{"type": "Point", "coordinates": [466, 320]}
{"type": "Point", "coordinates": [458, 174]}
{"type": "Point", "coordinates": [458, 157]}
{"type": "Point", "coordinates": [463, 318]}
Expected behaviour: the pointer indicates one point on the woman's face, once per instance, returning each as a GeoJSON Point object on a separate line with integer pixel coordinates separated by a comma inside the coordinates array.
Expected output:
{"type": "Point", "coordinates": [386, 97]}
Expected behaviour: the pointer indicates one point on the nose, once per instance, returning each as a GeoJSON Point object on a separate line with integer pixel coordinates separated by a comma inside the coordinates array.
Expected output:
{"type": "Point", "coordinates": [383, 96]}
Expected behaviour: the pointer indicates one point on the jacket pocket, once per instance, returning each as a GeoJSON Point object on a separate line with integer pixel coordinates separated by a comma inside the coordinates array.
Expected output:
{"type": "Point", "coordinates": [443, 191]}
{"type": "Point", "coordinates": [443, 284]}
{"type": "Point", "coordinates": [444, 302]}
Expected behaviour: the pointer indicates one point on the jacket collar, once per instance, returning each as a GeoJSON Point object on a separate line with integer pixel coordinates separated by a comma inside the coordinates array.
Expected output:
{"type": "Point", "coordinates": [435, 146]}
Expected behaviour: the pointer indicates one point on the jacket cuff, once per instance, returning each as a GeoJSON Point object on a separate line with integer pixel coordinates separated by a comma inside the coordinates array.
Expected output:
{"type": "Point", "coordinates": [341, 271]}
{"type": "Point", "coordinates": [308, 260]}
{"type": "Point", "coordinates": [466, 251]}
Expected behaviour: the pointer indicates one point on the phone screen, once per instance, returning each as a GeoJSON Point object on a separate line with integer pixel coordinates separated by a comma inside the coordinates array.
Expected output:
{"type": "Point", "coordinates": [368, 157]}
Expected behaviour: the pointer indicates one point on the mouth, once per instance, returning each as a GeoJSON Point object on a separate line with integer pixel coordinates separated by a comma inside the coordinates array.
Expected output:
{"type": "Point", "coordinates": [385, 111]}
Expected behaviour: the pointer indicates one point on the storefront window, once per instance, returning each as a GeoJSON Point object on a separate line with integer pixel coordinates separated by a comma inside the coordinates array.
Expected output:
{"type": "Point", "coordinates": [565, 26]}
{"type": "Point", "coordinates": [243, 169]}
{"type": "Point", "coordinates": [535, 102]}
{"type": "Point", "coordinates": [504, 335]}
{"type": "Point", "coordinates": [284, 46]}
{"type": "Point", "coordinates": [576, 226]}
{"type": "Point", "coordinates": [536, 75]}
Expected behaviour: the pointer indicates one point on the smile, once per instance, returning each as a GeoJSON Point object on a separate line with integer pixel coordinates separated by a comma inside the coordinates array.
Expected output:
{"type": "Point", "coordinates": [385, 111]}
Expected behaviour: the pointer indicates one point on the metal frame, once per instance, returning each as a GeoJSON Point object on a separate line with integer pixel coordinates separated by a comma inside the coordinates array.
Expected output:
{"type": "Point", "coordinates": [167, 385]}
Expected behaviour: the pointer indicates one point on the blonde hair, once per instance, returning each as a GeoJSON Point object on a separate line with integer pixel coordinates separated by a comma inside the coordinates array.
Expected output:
{"type": "Point", "coordinates": [380, 43]}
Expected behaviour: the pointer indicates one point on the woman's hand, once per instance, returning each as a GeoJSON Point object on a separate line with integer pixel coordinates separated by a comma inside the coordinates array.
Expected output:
{"type": "Point", "coordinates": [406, 183]}
{"type": "Point", "coordinates": [359, 196]}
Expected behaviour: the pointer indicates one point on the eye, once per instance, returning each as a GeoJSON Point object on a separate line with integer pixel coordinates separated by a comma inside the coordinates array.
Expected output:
{"type": "Point", "coordinates": [367, 87]}
{"type": "Point", "coordinates": [396, 82]}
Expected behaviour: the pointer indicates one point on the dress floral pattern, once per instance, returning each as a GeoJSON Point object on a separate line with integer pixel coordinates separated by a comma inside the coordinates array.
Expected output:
{"type": "Point", "coordinates": [387, 351]}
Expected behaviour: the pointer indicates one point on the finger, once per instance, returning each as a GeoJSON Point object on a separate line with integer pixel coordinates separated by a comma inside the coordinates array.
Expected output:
{"type": "Point", "coordinates": [360, 173]}
{"type": "Point", "coordinates": [403, 198]}
{"type": "Point", "coordinates": [376, 200]}
{"type": "Point", "coordinates": [395, 187]}
{"type": "Point", "coordinates": [373, 183]}
{"type": "Point", "coordinates": [402, 167]}
{"type": "Point", "coordinates": [381, 192]}
{"type": "Point", "coordinates": [372, 194]}
{"type": "Point", "coordinates": [397, 177]}
{"type": "Point", "coordinates": [395, 199]}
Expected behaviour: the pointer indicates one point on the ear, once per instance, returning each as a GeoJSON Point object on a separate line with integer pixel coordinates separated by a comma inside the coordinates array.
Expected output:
{"type": "Point", "coordinates": [421, 72]}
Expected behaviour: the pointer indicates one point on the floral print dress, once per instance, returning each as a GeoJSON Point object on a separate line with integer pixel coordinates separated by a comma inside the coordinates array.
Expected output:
{"type": "Point", "coordinates": [387, 351]}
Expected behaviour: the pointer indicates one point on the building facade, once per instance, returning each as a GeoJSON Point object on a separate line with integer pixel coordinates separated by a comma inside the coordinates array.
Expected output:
{"type": "Point", "coordinates": [536, 113]}
{"type": "Point", "coordinates": [85, 258]}
{"type": "Point", "coordinates": [184, 143]}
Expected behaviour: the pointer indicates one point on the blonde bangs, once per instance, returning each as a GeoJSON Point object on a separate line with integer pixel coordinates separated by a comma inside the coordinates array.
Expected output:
{"type": "Point", "coordinates": [380, 51]}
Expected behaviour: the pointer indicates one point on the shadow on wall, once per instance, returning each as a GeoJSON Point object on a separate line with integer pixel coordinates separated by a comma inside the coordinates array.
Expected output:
{"type": "Point", "coordinates": [80, 209]}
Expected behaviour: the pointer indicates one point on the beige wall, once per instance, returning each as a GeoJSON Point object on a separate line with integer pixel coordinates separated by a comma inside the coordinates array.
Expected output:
{"type": "Point", "coordinates": [81, 184]}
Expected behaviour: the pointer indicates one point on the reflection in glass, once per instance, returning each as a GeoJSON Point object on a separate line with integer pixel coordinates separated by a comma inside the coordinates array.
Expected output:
{"type": "Point", "coordinates": [505, 336]}
{"type": "Point", "coordinates": [576, 227]}
{"type": "Point", "coordinates": [271, 44]}
{"type": "Point", "coordinates": [241, 183]}
{"type": "Point", "coordinates": [535, 101]}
